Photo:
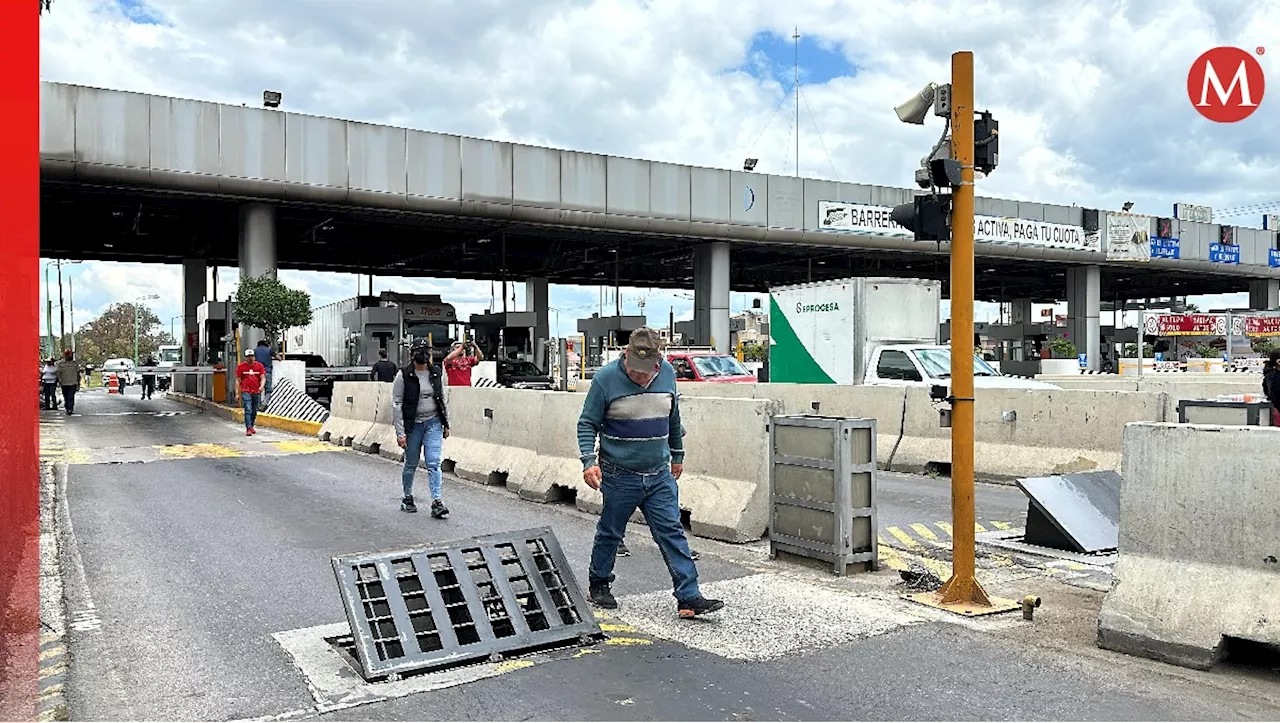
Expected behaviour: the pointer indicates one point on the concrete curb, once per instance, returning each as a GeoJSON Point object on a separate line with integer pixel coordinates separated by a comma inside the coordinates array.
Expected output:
{"type": "Point", "coordinates": [296, 426]}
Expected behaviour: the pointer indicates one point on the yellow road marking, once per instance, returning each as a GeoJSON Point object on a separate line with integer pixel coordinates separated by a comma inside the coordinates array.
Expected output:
{"type": "Point", "coordinates": [507, 666]}
{"type": "Point", "coordinates": [946, 528]}
{"type": "Point", "coordinates": [925, 532]}
{"type": "Point", "coordinates": [1001, 525]}
{"type": "Point", "coordinates": [305, 446]}
{"type": "Point", "coordinates": [883, 542]}
{"type": "Point", "coordinates": [53, 653]}
{"type": "Point", "coordinates": [51, 691]}
{"type": "Point", "coordinates": [617, 628]}
{"type": "Point", "coordinates": [585, 651]}
{"type": "Point", "coordinates": [628, 641]}
{"type": "Point", "coordinates": [977, 527]}
{"type": "Point", "coordinates": [195, 451]}
{"type": "Point", "coordinates": [903, 537]}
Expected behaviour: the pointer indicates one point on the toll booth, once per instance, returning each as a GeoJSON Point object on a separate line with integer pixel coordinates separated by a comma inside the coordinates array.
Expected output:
{"type": "Point", "coordinates": [212, 319]}
{"type": "Point", "coordinates": [505, 335]}
{"type": "Point", "coordinates": [606, 332]}
{"type": "Point", "coordinates": [1019, 347]}
{"type": "Point", "coordinates": [370, 330]}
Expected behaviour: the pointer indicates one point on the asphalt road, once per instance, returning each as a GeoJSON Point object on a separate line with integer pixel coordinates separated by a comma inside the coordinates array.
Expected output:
{"type": "Point", "coordinates": [189, 548]}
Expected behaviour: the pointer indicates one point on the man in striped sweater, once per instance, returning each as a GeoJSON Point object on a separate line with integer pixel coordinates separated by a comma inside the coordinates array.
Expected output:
{"type": "Point", "coordinates": [633, 411]}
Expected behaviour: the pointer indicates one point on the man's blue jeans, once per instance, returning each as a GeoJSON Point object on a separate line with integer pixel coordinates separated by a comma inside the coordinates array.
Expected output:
{"type": "Point", "coordinates": [656, 494]}
{"type": "Point", "coordinates": [424, 439]}
{"type": "Point", "coordinates": [251, 402]}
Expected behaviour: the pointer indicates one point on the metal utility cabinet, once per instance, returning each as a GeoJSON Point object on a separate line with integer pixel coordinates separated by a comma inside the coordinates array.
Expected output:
{"type": "Point", "coordinates": [823, 482]}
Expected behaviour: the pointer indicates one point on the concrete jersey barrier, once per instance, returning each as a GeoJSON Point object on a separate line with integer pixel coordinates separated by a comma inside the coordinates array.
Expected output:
{"type": "Point", "coordinates": [1018, 432]}
{"type": "Point", "coordinates": [1199, 551]}
{"type": "Point", "coordinates": [527, 441]}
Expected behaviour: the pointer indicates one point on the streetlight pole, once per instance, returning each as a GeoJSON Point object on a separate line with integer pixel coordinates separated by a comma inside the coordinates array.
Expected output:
{"type": "Point", "coordinates": [62, 310]}
{"type": "Point", "coordinates": [135, 323]}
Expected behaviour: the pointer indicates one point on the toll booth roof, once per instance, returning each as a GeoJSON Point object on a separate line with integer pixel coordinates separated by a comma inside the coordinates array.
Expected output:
{"type": "Point", "coordinates": [504, 320]}
{"type": "Point", "coordinates": [598, 325]}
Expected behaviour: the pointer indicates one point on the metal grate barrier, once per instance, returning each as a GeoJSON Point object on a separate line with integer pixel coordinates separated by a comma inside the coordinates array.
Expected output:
{"type": "Point", "coordinates": [453, 603]}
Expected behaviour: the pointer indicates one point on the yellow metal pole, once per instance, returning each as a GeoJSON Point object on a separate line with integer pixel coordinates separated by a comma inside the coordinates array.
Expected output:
{"type": "Point", "coordinates": [963, 587]}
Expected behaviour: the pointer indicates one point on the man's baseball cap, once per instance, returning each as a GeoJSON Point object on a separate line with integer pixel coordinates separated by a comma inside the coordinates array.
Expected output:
{"type": "Point", "coordinates": [248, 352]}
{"type": "Point", "coordinates": [644, 350]}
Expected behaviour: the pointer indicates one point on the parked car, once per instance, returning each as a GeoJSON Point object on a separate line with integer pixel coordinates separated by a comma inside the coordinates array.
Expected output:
{"type": "Point", "coordinates": [709, 367]}
{"type": "Point", "coordinates": [522, 375]}
{"type": "Point", "coordinates": [123, 368]}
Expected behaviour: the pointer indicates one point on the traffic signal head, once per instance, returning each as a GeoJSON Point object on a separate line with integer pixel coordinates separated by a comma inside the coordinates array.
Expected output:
{"type": "Point", "coordinates": [986, 143]}
{"type": "Point", "coordinates": [928, 217]}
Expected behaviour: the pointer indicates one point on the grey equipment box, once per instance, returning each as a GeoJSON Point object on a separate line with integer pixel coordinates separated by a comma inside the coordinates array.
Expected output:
{"type": "Point", "coordinates": [823, 490]}
{"type": "Point", "coordinates": [1226, 413]}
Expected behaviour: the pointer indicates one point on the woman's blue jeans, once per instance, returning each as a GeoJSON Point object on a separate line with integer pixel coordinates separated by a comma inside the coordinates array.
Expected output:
{"type": "Point", "coordinates": [424, 439]}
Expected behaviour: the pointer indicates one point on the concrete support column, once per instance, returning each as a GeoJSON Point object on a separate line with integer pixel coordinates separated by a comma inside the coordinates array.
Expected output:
{"type": "Point", "coordinates": [257, 255]}
{"type": "Point", "coordinates": [1264, 294]}
{"type": "Point", "coordinates": [1084, 309]}
{"type": "Point", "coordinates": [537, 300]}
{"type": "Point", "coordinates": [1019, 313]}
{"type": "Point", "coordinates": [195, 288]}
{"type": "Point", "coordinates": [711, 294]}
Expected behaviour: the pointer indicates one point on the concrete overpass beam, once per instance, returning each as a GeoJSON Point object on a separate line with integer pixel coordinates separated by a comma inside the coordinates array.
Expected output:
{"type": "Point", "coordinates": [1264, 294]}
{"type": "Point", "coordinates": [538, 300]}
{"type": "Point", "coordinates": [195, 287]}
{"type": "Point", "coordinates": [711, 294]}
{"type": "Point", "coordinates": [1084, 309]}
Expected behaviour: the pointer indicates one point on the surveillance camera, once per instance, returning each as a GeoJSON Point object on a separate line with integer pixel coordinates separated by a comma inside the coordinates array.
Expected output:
{"type": "Point", "coordinates": [914, 110]}
{"type": "Point", "coordinates": [923, 178]}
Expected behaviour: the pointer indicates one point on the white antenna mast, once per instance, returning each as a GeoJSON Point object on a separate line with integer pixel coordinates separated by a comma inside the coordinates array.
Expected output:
{"type": "Point", "coordinates": [796, 37]}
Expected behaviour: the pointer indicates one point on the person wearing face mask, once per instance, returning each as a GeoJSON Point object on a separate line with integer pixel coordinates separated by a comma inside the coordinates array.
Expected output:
{"type": "Point", "coordinates": [633, 411]}
{"type": "Point", "coordinates": [422, 424]}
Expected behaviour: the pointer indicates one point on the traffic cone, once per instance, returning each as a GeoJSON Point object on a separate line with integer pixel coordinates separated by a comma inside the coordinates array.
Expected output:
{"type": "Point", "coordinates": [113, 384]}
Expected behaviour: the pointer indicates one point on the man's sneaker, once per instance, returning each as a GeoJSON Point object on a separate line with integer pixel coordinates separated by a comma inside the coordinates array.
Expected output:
{"type": "Point", "coordinates": [248, 432]}
{"type": "Point", "coordinates": [622, 550]}
{"type": "Point", "coordinates": [406, 504]}
{"type": "Point", "coordinates": [600, 596]}
{"type": "Point", "coordinates": [694, 554]}
{"type": "Point", "coordinates": [697, 606]}
{"type": "Point", "coordinates": [252, 430]}
{"type": "Point", "coordinates": [438, 510]}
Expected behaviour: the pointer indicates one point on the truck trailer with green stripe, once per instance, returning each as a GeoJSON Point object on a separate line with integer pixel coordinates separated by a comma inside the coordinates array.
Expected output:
{"type": "Point", "coordinates": [870, 330]}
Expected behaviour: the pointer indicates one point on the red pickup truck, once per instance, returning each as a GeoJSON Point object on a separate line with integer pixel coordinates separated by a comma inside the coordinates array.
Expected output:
{"type": "Point", "coordinates": [709, 367]}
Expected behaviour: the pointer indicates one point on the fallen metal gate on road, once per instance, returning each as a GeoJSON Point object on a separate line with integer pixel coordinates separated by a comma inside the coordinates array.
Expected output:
{"type": "Point", "coordinates": [1075, 512]}
{"type": "Point", "coordinates": [457, 602]}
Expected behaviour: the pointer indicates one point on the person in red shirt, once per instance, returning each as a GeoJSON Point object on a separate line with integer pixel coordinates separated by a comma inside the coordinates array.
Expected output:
{"type": "Point", "coordinates": [251, 375]}
{"type": "Point", "coordinates": [460, 361]}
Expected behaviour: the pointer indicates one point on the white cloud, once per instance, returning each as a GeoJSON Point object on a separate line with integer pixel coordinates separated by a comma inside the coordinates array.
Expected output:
{"type": "Point", "coordinates": [1091, 96]}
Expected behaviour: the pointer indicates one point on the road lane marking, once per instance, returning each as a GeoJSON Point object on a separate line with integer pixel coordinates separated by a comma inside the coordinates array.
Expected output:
{"type": "Point", "coordinates": [927, 534]}
{"type": "Point", "coordinates": [196, 451]}
{"type": "Point", "coordinates": [903, 537]}
{"type": "Point", "coordinates": [978, 528]}
{"type": "Point", "coordinates": [1002, 525]}
{"type": "Point", "coordinates": [305, 446]}
{"type": "Point", "coordinates": [946, 528]}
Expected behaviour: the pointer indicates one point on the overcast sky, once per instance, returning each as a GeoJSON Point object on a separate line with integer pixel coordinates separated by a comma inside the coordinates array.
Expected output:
{"type": "Point", "coordinates": [1091, 96]}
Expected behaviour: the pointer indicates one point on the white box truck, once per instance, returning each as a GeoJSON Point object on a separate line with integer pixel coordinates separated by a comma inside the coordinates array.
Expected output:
{"type": "Point", "coordinates": [871, 330]}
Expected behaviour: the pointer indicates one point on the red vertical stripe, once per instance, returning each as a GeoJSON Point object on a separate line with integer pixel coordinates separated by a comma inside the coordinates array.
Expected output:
{"type": "Point", "coordinates": [19, 321]}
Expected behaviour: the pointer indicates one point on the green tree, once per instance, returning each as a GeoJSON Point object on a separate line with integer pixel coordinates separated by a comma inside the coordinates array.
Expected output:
{"type": "Point", "coordinates": [110, 336]}
{"type": "Point", "coordinates": [1263, 345]}
{"type": "Point", "coordinates": [265, 303]}
{"type": "Point", "coordinates": [1062, 348]}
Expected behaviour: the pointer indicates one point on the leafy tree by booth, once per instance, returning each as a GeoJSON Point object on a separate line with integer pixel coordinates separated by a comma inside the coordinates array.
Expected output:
{"type": "Point", "coordinates": [264, 303]}
{"type": "Point", "coordinates": [1263, 345]}
{"type": "Point", "coordinates": [1062, 348]}
{"type": "Point", "coordinates": [110, 336]}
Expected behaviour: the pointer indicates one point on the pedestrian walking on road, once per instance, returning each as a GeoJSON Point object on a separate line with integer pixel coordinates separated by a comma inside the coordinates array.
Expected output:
{"type": "Point", "coordinates": [633, 411]}
{"type": "Point", "coordinates": [461, 359]}
{"type": "Point", "coordinates": [1271, 384]}
{"type": "Point", "coordinates": [251, 375]}
{"type": "Point", "coordinates": [264, 356]}
{"type": "Point", "coordinates": [69, 379]}
{"type": "Point", "coordinates": [148, 379]}
{"type": "Point", "coordinates": [383, 369]}
{"type": "Point", "coordinates": [49, 384]}
{"type": "Point", "coordinates": [422, 424]}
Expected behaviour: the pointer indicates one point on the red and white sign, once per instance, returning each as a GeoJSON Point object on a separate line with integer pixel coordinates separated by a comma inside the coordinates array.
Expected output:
{"type": "Point", "coordinates": [1226, 84]}
{"type": "Point", "coordinates": [1255, 325]}
{"type": "Point", "coordinates": [1186, 325]}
